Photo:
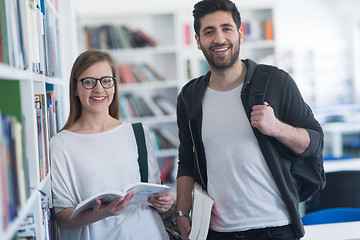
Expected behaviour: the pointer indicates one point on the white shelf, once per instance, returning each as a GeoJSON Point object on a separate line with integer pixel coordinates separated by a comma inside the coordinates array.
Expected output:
{"type": "Point", "coordinates": [153, 120]}
{"type": "Point", "coordinates": [140, 52]}
{"type": "Point", "coordinates": [18, 88]}
{"type": "Point", "coordinates": [262, 44]}
{"type": "Point", "coordinates": [166, 153]}
{"type": "Point", "coordinates": [11, 73]}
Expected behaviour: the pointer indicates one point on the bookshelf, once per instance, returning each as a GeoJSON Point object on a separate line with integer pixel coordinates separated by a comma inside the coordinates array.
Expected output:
{"type": "Point", "coordinates": [32, 35]}
{"type": "Point", "coordinates": [174, 56]}
{"type": "Point", "coordinates": [150, 69]}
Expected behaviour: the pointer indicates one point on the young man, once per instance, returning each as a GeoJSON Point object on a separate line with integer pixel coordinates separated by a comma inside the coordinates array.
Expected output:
{"type": "Point", "coordinates": [240, 155]}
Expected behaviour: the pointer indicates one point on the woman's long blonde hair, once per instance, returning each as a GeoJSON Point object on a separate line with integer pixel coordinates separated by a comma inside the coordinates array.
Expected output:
{"type": "Point", "coordinates": [83, 62]}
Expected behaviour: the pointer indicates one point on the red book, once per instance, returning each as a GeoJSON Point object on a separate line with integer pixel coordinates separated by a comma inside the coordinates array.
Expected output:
{"type": "Point", "coordinates": [187, 34]}
{"type": "Point", "coordinates": [126, 76]}
{"type": "Point", "coordinates": [166, 169]}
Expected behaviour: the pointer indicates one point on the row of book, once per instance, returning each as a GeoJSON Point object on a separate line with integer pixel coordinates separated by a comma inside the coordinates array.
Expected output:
{"type": "Point", "coordinates": [47, 116]}
{"type": "Point", "coordinates": [42, 135]}
{"type": "Point", "coordinates": [12, 49]}
{"type": "Point", "coordinates": [46, 119]}
{"type": "Point", "coordinates": [134, 106]}
{"type": "Point", "coordinates": [26, 229]}
{"type": "Point", "coordinates": [44, 33]}
{"type": "Point", "coordinates": [49, 228]}
{"type": "Point", "coordinates": [163, 139]}
{"type": "Point", "coordinates": [139, 73]}
{"type": "Point", "coordinates": [202, 66]}
{"type": "Point", "coordinates": [14, 175]}
{"type": "Point", "coordinates": [22, 20]}
{"type": "Point", "coordinates": [117, 37]}
{"type": "Point", "coordinates": [257, 30]}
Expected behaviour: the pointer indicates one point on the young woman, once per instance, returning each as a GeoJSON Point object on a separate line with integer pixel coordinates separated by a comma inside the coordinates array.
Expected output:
{"type": "Point", "coordinates": [95, 152]}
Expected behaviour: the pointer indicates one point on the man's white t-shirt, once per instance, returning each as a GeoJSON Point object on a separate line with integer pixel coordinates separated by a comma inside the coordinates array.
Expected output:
{"type": "Point", "coordinates": [239, 180]}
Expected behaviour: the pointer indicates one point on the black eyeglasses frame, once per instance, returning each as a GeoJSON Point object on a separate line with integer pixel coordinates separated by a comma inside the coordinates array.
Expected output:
{"type": "Point", "coordinates": [96, 80]}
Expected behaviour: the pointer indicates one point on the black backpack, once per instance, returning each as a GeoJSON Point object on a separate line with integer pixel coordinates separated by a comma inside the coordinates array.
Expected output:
{"type": "Point", "coordinates": [307, 174]}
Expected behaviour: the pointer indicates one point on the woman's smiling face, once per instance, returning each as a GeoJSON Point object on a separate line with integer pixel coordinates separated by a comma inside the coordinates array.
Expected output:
{"type": "Point", "coordinates": [98, 99]}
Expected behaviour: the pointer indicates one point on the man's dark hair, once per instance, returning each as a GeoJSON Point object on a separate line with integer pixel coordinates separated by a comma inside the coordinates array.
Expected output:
{"type": "Point", "coordinates": [210, 6]}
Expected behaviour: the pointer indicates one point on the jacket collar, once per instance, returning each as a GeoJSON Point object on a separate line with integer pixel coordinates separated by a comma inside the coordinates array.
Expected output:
{"type": "Point", "coordinates": [193, 92]}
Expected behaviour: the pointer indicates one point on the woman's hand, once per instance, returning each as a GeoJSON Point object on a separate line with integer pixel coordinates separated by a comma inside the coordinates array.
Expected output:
{"type": "Point", "coordinates": [163, 203]}
{"type": "Point", "coordinates": [116, 207]}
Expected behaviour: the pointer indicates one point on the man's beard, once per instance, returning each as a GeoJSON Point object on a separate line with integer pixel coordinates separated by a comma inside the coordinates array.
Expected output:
{"type": "Point", "coordinates": [219, 64]}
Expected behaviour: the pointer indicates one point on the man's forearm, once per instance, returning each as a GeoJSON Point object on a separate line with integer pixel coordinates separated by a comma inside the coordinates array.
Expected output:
{"type": "Point", "coordinates": [297, 139]}
{"type": "Point", "coordinates": [184, 185]}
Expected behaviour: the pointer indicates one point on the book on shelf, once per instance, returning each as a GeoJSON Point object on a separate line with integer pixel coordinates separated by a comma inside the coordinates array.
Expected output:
{"type": "Point", "coordinates": [26, 158]}
{"type": "Point", "coordinates": [113, 33]}
{"type": "Point", "coordinates": [139, 73]}
{"type": "Point", "coordinates": [3, 208]}
{"type": "Point", "coordinates": [135, 104]}
{"type": "Point", "coordinates": [166, 167]}
{"type": "Point", "coordinates": [41, 134]}
{"type": "Point", "coordinates": [19, 158]}
{"type": "Point", "coordinates": [158, 76]}
{"type": "Point", "coordinates": [51, 110]}
{"type": "Point", "coordinates": [145, 108]}
{"type": "Point", "coordinates": [13, 178]}
{"type": "Point", "coordinates": [257, 30]}
{"type": "Point", "coordinates": [268, 29]}
{"type": "Point", "coordinates": [12, 23]}
{"type": "Point", "coordinates": [116, 37]}
{"type": "Point", "coordinates": [151, 74]}
{"type": "Point", "coordinates": [163, 139]}
{"type": "Point", "coordinates": [142, 191]}
{"type": "Point", "coordinates": [132, 105]}
{"type": "Point", "coordinates": [3, 33]}
{"type": "Point", "coordinates": [188, 69]}
{"type": "Point", "coordinates": [204, 66]}
{"type": "Point", "coordinates": [13, 185]}
{"type": "Point", "coordinates": [126, 75]}
{"type": "Point", "coordinates": [127, 36]}
{"type": "Point", "coordinates": [165, 105]}
{"type": "Point", "coordinates": [26, 229]}
{"type": "Point", "coordinates": [201, 213]}
{"type": "Point", "coordinates": [187, 34]}
{"type": "Point", "coordinates": [150, 40]}
{"type": "Point", "coordinates": [153, 106]}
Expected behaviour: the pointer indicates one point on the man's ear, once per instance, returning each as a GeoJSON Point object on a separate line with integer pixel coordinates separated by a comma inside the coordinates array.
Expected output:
{"type": "Point", "coordinates": [241, 34]}
{"type": "Point", "coordinates": [197, 38]}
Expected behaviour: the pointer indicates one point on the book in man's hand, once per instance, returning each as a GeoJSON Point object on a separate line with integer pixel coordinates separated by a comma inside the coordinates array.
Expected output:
{"type": "Point", "coordinates": [201, 213]}
{"type": "Point", "coordinates": [142, 191]}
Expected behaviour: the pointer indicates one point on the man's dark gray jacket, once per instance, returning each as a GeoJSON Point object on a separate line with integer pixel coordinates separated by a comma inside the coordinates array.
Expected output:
{"type": "Point", "coordinates": [289, 107]}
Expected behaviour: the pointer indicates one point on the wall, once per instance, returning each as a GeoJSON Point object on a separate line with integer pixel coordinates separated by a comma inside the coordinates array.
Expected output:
{"type": "Point", "coordinates": [92, 6]}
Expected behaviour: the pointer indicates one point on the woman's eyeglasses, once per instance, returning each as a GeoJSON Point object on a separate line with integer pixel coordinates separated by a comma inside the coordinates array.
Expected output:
{"type": "Point", "coordinates": [90, 82]}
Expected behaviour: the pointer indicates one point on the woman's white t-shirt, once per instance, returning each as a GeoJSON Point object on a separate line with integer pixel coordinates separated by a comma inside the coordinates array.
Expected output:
{"type": "Point", "coordinates": [86, 164]}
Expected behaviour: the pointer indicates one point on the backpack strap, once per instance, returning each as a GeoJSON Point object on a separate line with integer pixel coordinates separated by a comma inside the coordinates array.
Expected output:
{"type": "Point", "coordinates": [142, 151]}
{"type": "Point", "coordinates": [259, 84]}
